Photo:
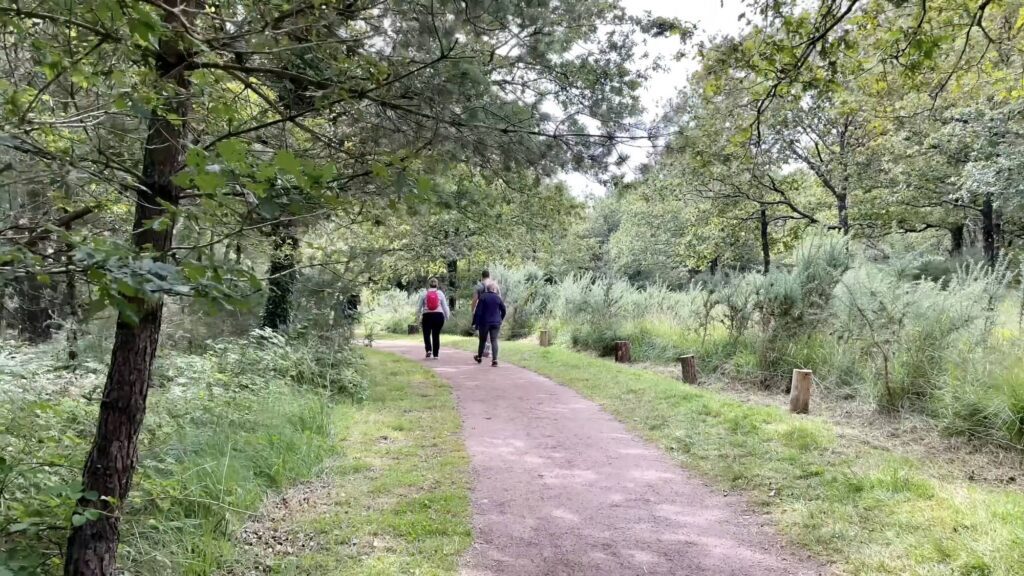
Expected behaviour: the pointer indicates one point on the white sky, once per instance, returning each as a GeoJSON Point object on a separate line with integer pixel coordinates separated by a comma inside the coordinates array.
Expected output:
{"type": "Point", "coordinates": [713, 17]}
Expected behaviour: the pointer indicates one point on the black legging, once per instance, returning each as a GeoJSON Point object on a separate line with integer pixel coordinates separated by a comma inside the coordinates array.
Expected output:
{"type": "Point", "coordinates": [491, 332]}
{"type": "Point", "coordinates": [432, 324]}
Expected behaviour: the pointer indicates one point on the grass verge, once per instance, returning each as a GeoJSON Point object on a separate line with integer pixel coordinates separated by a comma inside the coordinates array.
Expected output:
{"type": "Point", "coordinates": [395, 500]}
{"type": "Point", "coordinates": [866, 510]}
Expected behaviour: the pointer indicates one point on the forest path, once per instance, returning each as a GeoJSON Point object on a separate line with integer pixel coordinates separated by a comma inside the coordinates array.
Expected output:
{"type": "Point", "coordinates": [561, 488]}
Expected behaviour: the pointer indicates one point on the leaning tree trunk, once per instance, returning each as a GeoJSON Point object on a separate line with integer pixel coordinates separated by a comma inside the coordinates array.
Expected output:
{"type": "Point", "coordinates": [766, 247]}
{"type": "Point", "coordinates": [988, 231]}
{"type": "Point", "coordinates": [282, 275]}
{"type": "Point", "coordinates": [92, 546]}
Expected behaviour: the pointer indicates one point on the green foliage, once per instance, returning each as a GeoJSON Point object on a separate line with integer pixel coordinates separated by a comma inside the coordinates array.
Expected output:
{"type": "Point", "coordinates": [792, 302]}
{"type": "Point", "coordinates": [525, 292]}
{"type": "Point", "coordinates": [225, 427]}
{"type": "Point", "coordinates": [391, 311]}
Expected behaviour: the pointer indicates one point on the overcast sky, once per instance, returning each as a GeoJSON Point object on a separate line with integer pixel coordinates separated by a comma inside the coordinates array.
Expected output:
{"type": "Point", "coordinates": [712, 17]}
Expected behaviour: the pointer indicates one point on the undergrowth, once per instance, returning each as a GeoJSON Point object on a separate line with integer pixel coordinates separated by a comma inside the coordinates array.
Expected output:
{"type": "Point", "coordinates": [224, 428]}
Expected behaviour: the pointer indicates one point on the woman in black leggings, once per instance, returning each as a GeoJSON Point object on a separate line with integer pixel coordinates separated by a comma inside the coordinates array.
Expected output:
{"type": "Point", "coordinates": [433, 312]}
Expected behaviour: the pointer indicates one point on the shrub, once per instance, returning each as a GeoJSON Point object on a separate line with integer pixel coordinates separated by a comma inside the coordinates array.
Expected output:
{"type": "Point", "coordinates": [794, 303]}
{"type": "Point", "coordinates": [526, 296]}
{"type": "Point", "coordinates": [906, 330]}
{"type": "Point", "coordinates": [390, 311]}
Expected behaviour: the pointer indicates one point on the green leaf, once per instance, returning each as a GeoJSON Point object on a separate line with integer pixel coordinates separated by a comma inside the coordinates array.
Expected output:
{"type": "Point", "coordinates": [232, 151]}
{"type": "Point", "coordinates": [287, 162]}
{"type": "Point", "coordinates": [78, 520]}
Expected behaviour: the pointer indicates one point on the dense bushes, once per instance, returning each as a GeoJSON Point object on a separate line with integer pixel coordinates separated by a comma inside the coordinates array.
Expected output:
{"type": "Point", "coordinates": [224, 427]}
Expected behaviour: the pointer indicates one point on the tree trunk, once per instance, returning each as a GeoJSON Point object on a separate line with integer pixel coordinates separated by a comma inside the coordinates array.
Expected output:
{"type": "Point", "coordinates": [282, 275]}
{"type": "Point", "coordinates": [713, 266]}
{"type": "Point", "coordinates": [34, 312]}
{"type": "Point", "coordinates": [92, 546]}
{"type": "Point", "coordinates": [843, 211]}
{"type": "Point", "coordinates": [452, 267]}
{"type": "Point", "coordinates": [988, 231]}
{"type": "Point", "coordinates": [766, 247]}
{"type": "Point", "coordinates": [70, 305]}
{"type": "Point", "coordinates": [956, 240]}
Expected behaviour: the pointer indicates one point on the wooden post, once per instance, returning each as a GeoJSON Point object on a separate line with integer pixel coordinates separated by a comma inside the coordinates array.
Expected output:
{"type": "Point", "coordinates": [800, 392]}
{"type": "Point", "coordinates": [545, 338]}
{"type": "Point", "coordinates": [622, 351]}
{"type": "Point", "coordinates": [414, 328]}
{"type": "Point", "coordinates": [689, 366]}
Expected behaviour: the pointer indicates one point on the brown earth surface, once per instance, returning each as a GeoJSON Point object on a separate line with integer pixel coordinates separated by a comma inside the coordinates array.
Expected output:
{"type": "Point", "coordinates": [560, 487]}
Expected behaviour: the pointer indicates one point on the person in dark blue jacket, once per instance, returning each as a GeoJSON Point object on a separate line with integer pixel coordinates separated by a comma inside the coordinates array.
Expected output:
{"type": "Point", "coordinates": [487, 318]}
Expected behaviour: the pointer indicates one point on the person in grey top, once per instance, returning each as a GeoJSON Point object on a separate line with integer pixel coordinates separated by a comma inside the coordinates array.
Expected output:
{"type": "Point", "coordinates": [433, 311]}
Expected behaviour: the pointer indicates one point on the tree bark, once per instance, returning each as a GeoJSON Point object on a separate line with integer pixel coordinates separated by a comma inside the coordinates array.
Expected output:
{"type": "Point", "coordinates": [452, 267]}
{"type": "Point", "coordinates": [843, 210]}
{"type": "Point", "coordinates": [277, 311]}
{"type": "Point", "coordinates": [70, 304]}
{"type": "Point", "coordinates": [35, 310]}
{"type": "Point", "coordinates": [110, 466]}
{"type": "Point", "coordinates": [988, 231]}
{"type": "Point", "coordinates": [713, 266]}
{"type": "Point", "coordinates": [766, 247]}
{"type": "Point", "coordinates": [956, 240]}
{"type": "Point", "coordinates": [34, 313]}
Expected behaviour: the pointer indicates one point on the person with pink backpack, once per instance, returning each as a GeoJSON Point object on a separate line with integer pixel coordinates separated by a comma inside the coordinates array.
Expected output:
{"type": "Point", "coordinates": [433, 311]}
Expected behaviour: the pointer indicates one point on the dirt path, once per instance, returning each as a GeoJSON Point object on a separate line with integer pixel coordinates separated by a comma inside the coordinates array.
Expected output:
{"type": "Point", "coordinates": [562, 488]}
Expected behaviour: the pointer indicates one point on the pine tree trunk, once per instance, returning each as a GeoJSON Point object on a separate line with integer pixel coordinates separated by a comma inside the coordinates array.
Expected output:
{"type": "Point", "coordinates": [92, 546]}
{"type": "Point", "coordinates": [277, 310]}
{"type": "Point", "coordinates": [766, 247]}
{"type": "Point", "coordinates": [988, 231]}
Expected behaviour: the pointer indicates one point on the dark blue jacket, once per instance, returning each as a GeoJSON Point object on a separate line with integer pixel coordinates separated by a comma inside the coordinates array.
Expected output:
{"type": "Point", "coordinates": [490, 310]}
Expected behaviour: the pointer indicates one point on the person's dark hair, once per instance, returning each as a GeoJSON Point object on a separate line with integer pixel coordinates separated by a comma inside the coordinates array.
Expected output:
{"type": "Point", "coordinates": [485, 274]}
{"type": "Point", "coordinates": [433, 283]}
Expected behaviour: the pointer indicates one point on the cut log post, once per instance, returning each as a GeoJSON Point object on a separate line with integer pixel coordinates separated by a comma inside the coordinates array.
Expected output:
{"type": "Point", "coordinates": [414, 328]}
{"type": "Point", "coordinates": [689, 367]}
{"type": "Point", "coordinates": [545, 338]}
{"type": "Point", "coordinates": [622, 352]}
{"type": "Point", "coordinates": [800, 392]}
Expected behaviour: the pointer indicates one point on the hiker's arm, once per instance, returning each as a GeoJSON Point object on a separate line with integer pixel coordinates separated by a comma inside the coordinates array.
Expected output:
{"type": "Point", "coordinates": [501, 306]}
{"type": "Point", "coordinates": [444, 305]}
{"type": "Point", "coordinates": [473, 302]}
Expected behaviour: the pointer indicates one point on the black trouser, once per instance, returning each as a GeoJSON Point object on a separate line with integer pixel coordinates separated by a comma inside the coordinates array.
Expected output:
{"type": "Point", "coordinates": [492, 333]}
{"type": "Point", "coordinates": [432, 324]}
